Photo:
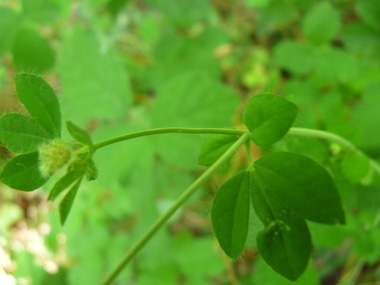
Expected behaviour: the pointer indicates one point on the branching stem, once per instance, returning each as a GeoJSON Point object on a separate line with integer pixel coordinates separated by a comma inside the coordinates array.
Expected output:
{"type": "Point", "coordinates": [245, 135]}
{"type": "Point", "coordinates": [178, 203]}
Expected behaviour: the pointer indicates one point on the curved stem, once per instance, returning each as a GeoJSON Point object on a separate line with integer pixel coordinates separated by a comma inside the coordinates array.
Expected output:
{"type": "Point", "coordinates": [168, 131]}
{"type": "Point", "coordinates": [178, 203]}
{"type": "Point", "coordinates": [150, 132]}
{"type": "Point", "coordinates": [334, 138]}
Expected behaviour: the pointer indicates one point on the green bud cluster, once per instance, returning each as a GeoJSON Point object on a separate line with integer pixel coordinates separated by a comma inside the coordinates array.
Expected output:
{"type": "Point", "coordinates": [53, 156]}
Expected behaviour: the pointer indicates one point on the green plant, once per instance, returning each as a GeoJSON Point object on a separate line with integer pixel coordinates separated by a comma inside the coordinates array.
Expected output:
{"type": "Point", "coordinates": [284, 188]}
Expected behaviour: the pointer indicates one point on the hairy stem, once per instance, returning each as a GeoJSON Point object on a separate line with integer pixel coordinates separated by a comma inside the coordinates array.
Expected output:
{"type": "Point", "coordinates": [179, 202]}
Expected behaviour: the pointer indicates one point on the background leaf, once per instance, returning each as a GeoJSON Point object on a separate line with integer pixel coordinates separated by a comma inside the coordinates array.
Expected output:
{"type": "Point", "coordinates": [190, 100]}
{"type": "Point", "coordinates": [214, 147]}
{"type": "Point", "coordinates": [40, 101]}
{"type": "Point", "coordinates": [355, 167]}
{"type": "Point", "coordinates": [268, 117]}
{"type": "Point", "coordinates": [31, 52]}
{"type": "Point", "coordinates": [230, 213]}
{"type": "Point", "coordinates": [368, 11]}
{"type": "Point", "coordinates": [295, 57]}
{"type": "Point", "coordinates": [22, 134]}
{"type": "Point", "coordinates": [321, 23]}
{"type": "Point", "coordinates": [94, 81]}
{"type": "Point", "coordinates": [9, 22]}
{"type": "Point", "coordinates": [22, 172]}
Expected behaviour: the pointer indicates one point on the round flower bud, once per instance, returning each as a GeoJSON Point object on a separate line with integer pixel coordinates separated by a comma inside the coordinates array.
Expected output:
{"type": "Point", "coordinates": [53, 156]}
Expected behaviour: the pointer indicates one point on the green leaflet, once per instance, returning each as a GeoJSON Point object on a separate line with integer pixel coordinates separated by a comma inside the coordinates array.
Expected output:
{"type": "Point", "coordinates": [285, 243]}
{"type": "Point", "coordinates": [22, 172]}
{"type": "Point", "coordinates": [64, 182]}
{"type": "Point", "coordinates": [321, 23]}
{"type": "Point", "coordinates": [230, 213]}
{"type": "Point", "coordinates": [79, 134]}
{"type": "Point", "coordinates": [214, 147]}
{"type": "Point", "coordinates": [22, 134]}
{"type": "Point", "coordinates": [286, 246]}
{"type": "Point", "coordinates": [67, 202]}
{"type": "Point", "coordinates": [298, 183]}
{"type": "Point", "coordinates": [269, 118]}
{"type": "Point", "coordinates": [40, 101]}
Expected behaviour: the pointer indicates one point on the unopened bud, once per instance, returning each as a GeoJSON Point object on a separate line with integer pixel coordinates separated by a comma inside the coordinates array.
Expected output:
{"type": "Point", "coordinates": [53, 156]}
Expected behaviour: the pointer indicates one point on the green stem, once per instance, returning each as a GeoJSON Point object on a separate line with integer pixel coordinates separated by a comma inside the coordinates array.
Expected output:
{"type": "Point", "coordinates": [334, 138]}
{"type": "Point", "coordinates": [161, 131]}
{"type": "Point", "coordinates": [168, 131]}
{"type": "Point", "coordinates": [179, 202]}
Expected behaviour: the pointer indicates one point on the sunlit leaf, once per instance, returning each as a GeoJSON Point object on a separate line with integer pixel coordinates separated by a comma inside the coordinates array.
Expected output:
{"type": "Point", "coordinates": [40, 101]}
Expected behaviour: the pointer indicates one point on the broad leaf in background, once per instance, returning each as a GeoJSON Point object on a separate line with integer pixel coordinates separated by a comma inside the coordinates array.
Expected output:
{"type": "Point", "coordinates": [298, 183]}
{"type": "Point", "coordinates": [334, 65]}
{"type": "Point", "coordinates": [9, 22]}
{"type": "Point", "coordinates": [175, 54]}
{"type": "Point", "coordinates": [355, 167]}
{"type": "Point", "coordinates": [285, 243]}
{"type": "Point", "coordinates": [190, 100]}
{"type": "Point", "coordinates": [214, 147]}
{"type": "Point", "coordinates": [191, 255]}
{"type": "Point", "coordinates": [67, 202]}
{"type": "Point", "coordinates": [40, 101]}
{"type": "Point", "coordinates": [268, 117]}
{"type": "Point", "coordinates": [94, 81]}
{"type": "Point", "coordinates": [369, 11]}
{"type": "Point", "coordinates": [366, 116]}
{"type": "Point", "coordinates": [22, 172]}
{"type": "Point", "coordinates": [79, 134]}
{"type": "Point", "coordinates": [295, 57]}
{"type": "Point", "coordinates": [196, 10]}
{"type": "Point", "coordinates": [22, 134]}
{"type": "Point", "coordinates": [230, 214]}
{"type": "Point", "coordinates": [361, 40]}
{"type": "Point", "coordinates": [41, 11]}
{"type": "Point", "coordinates": [31, 52]}
{"type": "Point", "coordinates": [321, 23]}
{"type": "Point", "coordinates": [264, 274]}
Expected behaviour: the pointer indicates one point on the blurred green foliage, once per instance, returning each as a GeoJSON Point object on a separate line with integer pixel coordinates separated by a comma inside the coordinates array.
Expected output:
{"type": "Point", "coordinates": [120, 66]}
